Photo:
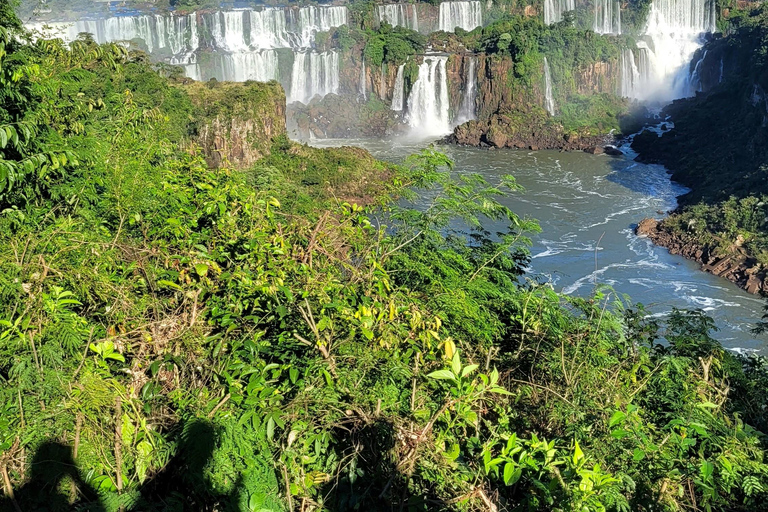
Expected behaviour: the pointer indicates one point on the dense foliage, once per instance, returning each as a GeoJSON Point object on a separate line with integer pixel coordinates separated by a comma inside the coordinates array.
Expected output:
{"type": "Point", "coordinates": [392, 45]}
{"type": "Point", "coordinates": [175, 336]}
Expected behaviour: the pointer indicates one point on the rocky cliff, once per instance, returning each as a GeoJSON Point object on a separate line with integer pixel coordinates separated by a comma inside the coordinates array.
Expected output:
{"type": "Point", "coordinates": [236, 122]}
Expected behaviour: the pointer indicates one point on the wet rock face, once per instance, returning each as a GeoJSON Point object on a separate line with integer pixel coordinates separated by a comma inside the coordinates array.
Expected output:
{"type": "Point", "coordinates": [734, 265]}
{"type": "Point", "coordinates": [236, 122]}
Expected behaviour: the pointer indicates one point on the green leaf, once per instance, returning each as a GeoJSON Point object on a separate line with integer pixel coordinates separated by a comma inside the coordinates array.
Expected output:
{"type": "Point", "coordinates": [169, 284]}
{"type": "Point", "coordinates": [617, 418]}
{"type": "Point", "coordinates": [442, 375]}
{"type": "Point", "coordinates": [468, 369]}
{"type": "Point", "coordinates": [117, 356]}
{"type": "Point", "coordinates": [578, 455]}
{"type": "Point", "coordinates": [456, 363]}
{"type": "Point", "coordinates": [201, 269]}
{"type": "Point", "coordinates": [499, 390]}
{"type": "Point", "coordinates": [512, 473]}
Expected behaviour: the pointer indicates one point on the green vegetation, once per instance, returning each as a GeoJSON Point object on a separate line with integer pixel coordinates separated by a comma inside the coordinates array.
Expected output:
{"type": "Point", "coordinates": [175, 336]}
{"type": "Point", "coordinates": [392, 45]}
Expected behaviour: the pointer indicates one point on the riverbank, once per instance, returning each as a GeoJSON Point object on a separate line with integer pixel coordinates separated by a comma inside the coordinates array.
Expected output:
{"type": "Point", "coordinates": [734, 265]}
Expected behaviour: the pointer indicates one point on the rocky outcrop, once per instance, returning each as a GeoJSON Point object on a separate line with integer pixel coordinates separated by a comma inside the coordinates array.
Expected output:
{"type": "Point", "coordinates": [734, 265]}
{"type": "Point", "coordinates": [236, 122]}
{"type": "Point", "coordinates": [530, 128]}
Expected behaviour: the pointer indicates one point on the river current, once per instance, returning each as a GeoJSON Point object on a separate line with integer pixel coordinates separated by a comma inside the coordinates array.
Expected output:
{"type": "Point", "coordinates": [581, 199]}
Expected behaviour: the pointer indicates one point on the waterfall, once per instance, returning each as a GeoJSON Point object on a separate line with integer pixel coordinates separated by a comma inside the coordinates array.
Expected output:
{"type": "Point", "coordinates": [428, 108]}
{"type": "Point", "coordinates": [314, 74]}
{"type": "Point", "coordinates": [258, 66]}
{"type": "Point", "coordinates": [549, 100]}
{"type": "Point", "coordinates": [694, 80]}
{"type": "Point", "coordinates": [169, 34]}
{"type": "Point", "coordinates": [720, 78]}
{"type": "Point", "coordinates": [363, 86]}
{"type": "Point", "coordinates": [630, 75]}
{"type": "Point", "coordinates": [228, 31]}
{"type": "Point", "coordinates": [399, 15]}
{"type": "Point", "coordinates": [313, 19]}
{"type": "Point", "coordinates": [554, 9]}
{"type": "Point", "coordinates": [399, 92]}
{"type": "Point", "coordinates": [467, 108]}
{"type": "Point", "coordinates": [607, 17]}
{"type": "Point", "coordinates": [233, 31]}
{"type": "Point", "coordinates": [269, 29]}
{"type": "Point", "coordinates": [466, 15]}
{"type": "Point", "coordinates": [671, 36]}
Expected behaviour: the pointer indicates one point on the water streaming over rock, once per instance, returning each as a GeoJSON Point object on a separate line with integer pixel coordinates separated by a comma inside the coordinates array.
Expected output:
{"type": "Point", "coordinates": [398, 94]}
{"type": "Point", "coordinates": [314, 74]}
{"type": "Point", "coordinates": [630, 76]}
{"type": "Point", "coordinates": [549, 100]}
{"type": "Point", "coordinates": [235, 45]}
{"type": "Point", "coordinates": [466, 15]}
{"type": "Point", "coordinates": [362, 86]}
{"type": "Point", "coordinates": [428, 103]}
{"type": "Point", "coordinates": [400, 15]}
{"type": "Point", "coordinates": [166, 34]}
{"type": "Point", "coordinates": [694, 81]}
{"type": "Point", "coordinates": [468, 99]}
{"type": "Point", "coordinates": [554, 9]}
{"type": "Point", "coordinates": [607, 17]}
{"type": "Point", "coordinates": [672, 34]}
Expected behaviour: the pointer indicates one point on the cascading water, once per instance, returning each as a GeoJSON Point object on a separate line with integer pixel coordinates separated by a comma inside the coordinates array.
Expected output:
{"type": "Point", "coordinates": [399, 15]}
{"type": "Point", "coordinates": [630, 76]}
{"type": "Point", "coordinates": [672, 34]}
{"type": "Point", "coordinates": [428, 108]}
{"type": "Point", "coordinates": [694, 81]}
{"type": "Point", "coordinates": [167, 34]}
{"type": "Point", "coordinates": [398, 94]}
{"type": "Point", "coordinates": [238, 44]}
{"type": "Point", "coordinates": [549, 100]}
{"type": "Point", "coordinates": [314, 74]}
{"type": "Point", "coordinates": [467, 15]}
{"type": "Point", "coordinates": [554, 9]}
{"type": "Point", "coordinates": [467, 108]}
{"type": "Point", "coordinates": [311, 20]}
{"type": "Point", "coordinates": [607, 17]}
{"type": "Point", "coordinates": [362, 85]}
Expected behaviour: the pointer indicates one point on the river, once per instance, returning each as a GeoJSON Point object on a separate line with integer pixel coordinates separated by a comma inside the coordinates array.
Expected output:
{"type": "Point", "coordinates": [580, 199]}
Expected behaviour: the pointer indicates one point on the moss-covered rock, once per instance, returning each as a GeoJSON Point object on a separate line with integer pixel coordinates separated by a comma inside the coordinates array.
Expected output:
{"type": "Point", "coordinates": [237, 122]}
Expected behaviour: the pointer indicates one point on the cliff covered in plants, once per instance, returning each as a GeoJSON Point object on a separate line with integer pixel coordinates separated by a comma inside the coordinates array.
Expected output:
{"type": "Point", "coordinates": [176, 335]}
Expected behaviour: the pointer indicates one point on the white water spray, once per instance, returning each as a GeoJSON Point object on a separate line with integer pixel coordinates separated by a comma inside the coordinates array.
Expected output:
{"type": "Point", "coordinates": [607, 17]}
{"type": "Point", "coordinates": [466, 15]}
{"type": "Point", "coordinates": [400, 15]}
{"type": "Point", "coordinates": [428, 107]}
{"type": "Point", "coordinates": [398, 93]}
{"type": "Point", "coordinates": [468, 100]}
{"type": "Point", "coordinates": [314, 74]}
{"type": "Point", "coordinates": [672, 34]}
{"type": "Point", "coordinates": [554, 9]}
{"type": "Point", "coordinates": [549, 100]}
